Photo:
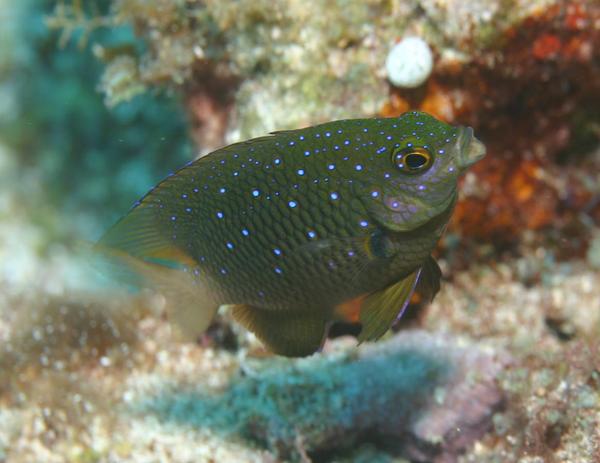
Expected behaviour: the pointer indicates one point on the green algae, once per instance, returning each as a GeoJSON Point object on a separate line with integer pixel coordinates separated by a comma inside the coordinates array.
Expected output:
{"type": "Point", "coordinates": [319, 402]}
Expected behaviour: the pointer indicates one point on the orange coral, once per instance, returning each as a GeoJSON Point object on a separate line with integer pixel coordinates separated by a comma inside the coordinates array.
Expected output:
{"type": "Point", "coordinates": [546, 46]}
{"type": "Point", "coordinates": [522, 100]}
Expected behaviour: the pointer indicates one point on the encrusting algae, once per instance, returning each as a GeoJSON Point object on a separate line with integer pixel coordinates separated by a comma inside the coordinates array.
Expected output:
{"type": "Point", "coordinates": [301, 228]}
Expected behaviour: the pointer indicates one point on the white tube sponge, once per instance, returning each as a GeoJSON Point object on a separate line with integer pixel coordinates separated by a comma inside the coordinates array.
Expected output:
{"type": "Point", "coordinates": [409, 62]}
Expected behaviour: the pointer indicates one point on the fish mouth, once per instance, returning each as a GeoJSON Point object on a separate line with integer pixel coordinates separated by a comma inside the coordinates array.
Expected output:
{"type": "Point", "coordinates": [470, 150]}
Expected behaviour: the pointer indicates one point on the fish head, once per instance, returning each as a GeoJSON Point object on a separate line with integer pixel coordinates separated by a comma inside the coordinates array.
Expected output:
{"type": "Point", "coordinates": [416, 179]}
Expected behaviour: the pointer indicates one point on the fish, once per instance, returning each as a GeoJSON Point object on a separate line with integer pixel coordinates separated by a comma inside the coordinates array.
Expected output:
{"type": "Point", "coordinates": [301, 228]}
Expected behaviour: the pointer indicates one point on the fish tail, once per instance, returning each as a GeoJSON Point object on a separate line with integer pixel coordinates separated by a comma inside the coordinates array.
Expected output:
{"type": "Point", "coordinates": [136, 253]}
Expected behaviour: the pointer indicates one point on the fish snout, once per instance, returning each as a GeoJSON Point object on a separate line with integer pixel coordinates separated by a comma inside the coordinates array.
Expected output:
{"type": "Point", "coordinates": [469, 149]}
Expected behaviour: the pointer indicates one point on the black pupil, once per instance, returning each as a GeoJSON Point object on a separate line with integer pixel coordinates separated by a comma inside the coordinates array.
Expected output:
{"type": "Point", "coordinates": [415, 160]}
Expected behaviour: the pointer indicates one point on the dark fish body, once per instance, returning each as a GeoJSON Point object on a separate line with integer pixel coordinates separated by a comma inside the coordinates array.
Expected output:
{"type": "Point", "coordinates": [290, 226]}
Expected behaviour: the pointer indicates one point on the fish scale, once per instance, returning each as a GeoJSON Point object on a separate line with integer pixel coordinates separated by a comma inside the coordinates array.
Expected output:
{"type": "Point", "coordinates": [289, 226]}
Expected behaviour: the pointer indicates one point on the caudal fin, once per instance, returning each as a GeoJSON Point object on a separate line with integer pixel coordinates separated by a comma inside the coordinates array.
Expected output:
{"type": "Point", "coordinates": [138, 252]}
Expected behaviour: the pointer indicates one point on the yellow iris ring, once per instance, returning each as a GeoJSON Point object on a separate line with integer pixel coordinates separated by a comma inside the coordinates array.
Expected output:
{"type": "Point", "coordinates": [412, 160]}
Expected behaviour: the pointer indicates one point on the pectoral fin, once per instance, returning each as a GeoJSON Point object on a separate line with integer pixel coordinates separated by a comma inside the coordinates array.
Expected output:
{"type": "Point", "coordinates": [381, 308]}
{"type": "Point", "coordinates": [288, 333]}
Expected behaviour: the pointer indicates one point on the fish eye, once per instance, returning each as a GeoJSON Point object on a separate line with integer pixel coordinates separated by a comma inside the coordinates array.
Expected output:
{"type": "Point", "coordinates": [412, 160]}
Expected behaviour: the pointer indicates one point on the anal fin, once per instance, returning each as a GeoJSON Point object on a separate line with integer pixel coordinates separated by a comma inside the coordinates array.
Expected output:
{"type": "Point", "coordinates": [288, 333]}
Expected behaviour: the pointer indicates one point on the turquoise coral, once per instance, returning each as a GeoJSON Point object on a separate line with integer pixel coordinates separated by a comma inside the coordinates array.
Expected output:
{"type": "Point", "coordinates": [412, 390]}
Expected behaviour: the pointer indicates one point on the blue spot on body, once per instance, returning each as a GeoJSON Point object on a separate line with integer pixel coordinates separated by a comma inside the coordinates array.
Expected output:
{"type": "Point", "coordinates": [333, 195]}
{"type": "Point", "coordinates": [358, 167]}
{"type": "Point", "coordinates": [307, 153]}
{"type": "Point", "coordinates": [363, 223]}
{"type": "Point", "coordinates": [223, 271]}
{"type": "Point", "coordinates": [245, 232]}
{"type": "Point", "coordinates": [328, 134]}
{"type": "Point", "coordinates": [300, 171]}
{"type": "Point", "coordinates": [331, 166]}
{"type": "Point", "coordinates": [230, 245]}
{"type": "Point", "coordinates": [292, 203]}
{"type": "Point", "coordinates": [278, 270]}
{"type": "Point", "coordinates": [188, 209]}
{"type": "Point", "coordinates": [311, 234]}
{"type": "Point", "coordinates": [277, 251]}
{"type": "Point", "coordinates": [184, 196]}
{"type": "Point", "coordinates": [292, 143]}
{"type": "Point", "coordinates": [222, 190]}
{"type": "Point", "coordinates": [195, 190]}
{"type": "Point", "coordinates": [374, 194]}
{"type": "Point", "coordinates": [220, 215]}
{"type": "Point", "coordinates": [277, 161]}
{"type": "Point", "coordinates": [256, 193]}
{"type": "Point", "coordinates": [173, 218]}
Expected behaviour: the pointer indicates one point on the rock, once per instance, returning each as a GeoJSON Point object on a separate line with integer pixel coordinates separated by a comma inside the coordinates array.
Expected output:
{"type": "Point", "coordinates": [409, 62]}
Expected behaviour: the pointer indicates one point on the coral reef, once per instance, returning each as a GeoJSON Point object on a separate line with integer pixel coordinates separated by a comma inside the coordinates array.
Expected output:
{"type": "Point", "coordinates": [287, 67]}
{"type": "Point", "coordinates": [88, 375]}
{"type": "Point", "coordinates": [524, 68]}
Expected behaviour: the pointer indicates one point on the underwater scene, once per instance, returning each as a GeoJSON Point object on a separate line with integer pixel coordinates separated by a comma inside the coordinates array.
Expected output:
{"type": "Point", "coordinates": [324, 231]}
